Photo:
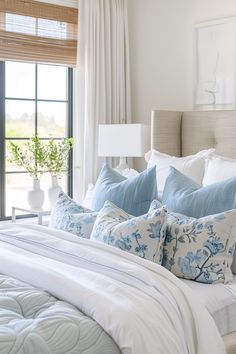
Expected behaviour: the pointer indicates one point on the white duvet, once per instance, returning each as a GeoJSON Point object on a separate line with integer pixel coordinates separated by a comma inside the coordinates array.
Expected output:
{"type": "Point", "coordinates": [144, 308]}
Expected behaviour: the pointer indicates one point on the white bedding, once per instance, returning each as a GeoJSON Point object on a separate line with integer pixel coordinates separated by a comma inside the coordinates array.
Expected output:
{"type": "Point", "coordinates": [220, 300]}
{"type": "Point", "coordinates": [140, 304]}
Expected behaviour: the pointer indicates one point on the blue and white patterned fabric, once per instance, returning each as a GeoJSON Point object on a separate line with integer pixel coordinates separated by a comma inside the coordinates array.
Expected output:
{"type": "Point", "coordinates": [201, 249]}
{"type": "Point", "coordinates": [143, 236]}
{"type": "Point", "coordinates": [67, 215]}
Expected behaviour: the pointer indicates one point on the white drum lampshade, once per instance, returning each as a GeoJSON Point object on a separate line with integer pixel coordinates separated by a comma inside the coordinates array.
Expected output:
{"type": "Point", "coordinates": [123, 140]}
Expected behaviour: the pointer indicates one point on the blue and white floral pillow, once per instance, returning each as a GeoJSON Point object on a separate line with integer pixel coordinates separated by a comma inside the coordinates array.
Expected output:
{"type": "Point", "coordinates": [201, 249]}
{"type": "Point", "coordinates": [67, 215]}
{"type": "Point", "coordinates": [143, 235]}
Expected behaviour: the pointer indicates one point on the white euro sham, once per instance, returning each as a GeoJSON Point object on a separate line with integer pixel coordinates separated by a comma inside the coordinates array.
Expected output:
{"type": "Point", "coordinates": [218, 168]}
{"type": "Point", "coordinates": [192, 166]}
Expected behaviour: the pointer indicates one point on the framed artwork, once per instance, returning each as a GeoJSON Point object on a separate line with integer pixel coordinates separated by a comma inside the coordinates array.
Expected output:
{"type": "Point", "coordinates": [216, 63]}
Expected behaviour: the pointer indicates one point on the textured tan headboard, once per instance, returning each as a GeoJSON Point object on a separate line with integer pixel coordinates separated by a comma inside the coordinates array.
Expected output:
{"type": "Point", "coordinates": [185, 133]}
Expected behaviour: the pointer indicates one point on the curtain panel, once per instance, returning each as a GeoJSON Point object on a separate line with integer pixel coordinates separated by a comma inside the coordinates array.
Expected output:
{"type": "Point", "coordinates": [102, 93]}
{"type": "Point", "coordinates": [33, 31]}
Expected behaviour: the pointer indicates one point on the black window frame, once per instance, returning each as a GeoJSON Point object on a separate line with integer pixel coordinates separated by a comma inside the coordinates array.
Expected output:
{"type": "Point", "coordinates": [4, 139]}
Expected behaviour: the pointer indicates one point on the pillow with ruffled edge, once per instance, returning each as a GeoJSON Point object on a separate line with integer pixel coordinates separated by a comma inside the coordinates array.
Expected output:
{"type": "Point", "coordinates": [67, 215]}
{"type": "Point", "coordinates": [134, 195]}
{"type": "Point", "coordinates": [218, 168]}
{"type": "Point", "coordinates": [192, 166]}
{"type": "Point", "coordinates": [183, 195]}
{"type": "Point", "coordinates": [201, 249]}
{"type": "Point", "coordinates": [143, 235]}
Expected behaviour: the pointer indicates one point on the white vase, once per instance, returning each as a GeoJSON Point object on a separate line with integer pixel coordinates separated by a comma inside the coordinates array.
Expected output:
{"type": "Point", "coordinates": [35, 196]}
{"type": "Point", "coordinates": [54, 191]}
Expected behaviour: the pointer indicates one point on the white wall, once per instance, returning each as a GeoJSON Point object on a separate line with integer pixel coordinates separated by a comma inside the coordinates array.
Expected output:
{"type": "Point", "coordinates": [162, 49]}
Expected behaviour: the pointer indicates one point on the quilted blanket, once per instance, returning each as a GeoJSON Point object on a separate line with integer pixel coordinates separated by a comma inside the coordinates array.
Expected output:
{"type": "Point", "coordinates": [141, 305]}
{"type": "Point", "coordinates": [34, 322]}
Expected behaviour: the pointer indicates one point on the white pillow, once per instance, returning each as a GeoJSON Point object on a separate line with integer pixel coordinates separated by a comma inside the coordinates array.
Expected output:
{"type": "Point", "coordinates": [218, 168]}
{"type": "Point", "coordinates": [128, 172]}
{"type": "Point", "coordinates": [192, 166]}
{"type": "Point", "coordinates": [87, 202]}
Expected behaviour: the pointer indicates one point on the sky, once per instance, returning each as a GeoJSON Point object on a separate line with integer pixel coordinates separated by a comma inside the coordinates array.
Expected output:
{"type": "Point", "coordinates": [52, 84]}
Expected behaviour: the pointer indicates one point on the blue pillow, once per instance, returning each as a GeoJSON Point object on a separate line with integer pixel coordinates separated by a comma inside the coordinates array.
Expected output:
{"type": "Point", "coordinates": [134, 195]}
{"type": "Point", "coordinates": [183, 195]}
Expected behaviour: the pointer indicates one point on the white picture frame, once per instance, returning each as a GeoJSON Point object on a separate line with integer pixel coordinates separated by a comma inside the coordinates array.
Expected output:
{"type": "Point", "coordinates": [216, 63]}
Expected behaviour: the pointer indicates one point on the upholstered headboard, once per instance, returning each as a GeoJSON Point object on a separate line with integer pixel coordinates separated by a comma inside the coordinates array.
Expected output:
{"type": "Point", "coordinates": [186, 133]}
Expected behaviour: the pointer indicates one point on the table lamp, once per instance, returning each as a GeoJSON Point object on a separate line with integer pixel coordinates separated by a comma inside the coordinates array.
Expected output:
{"type": "Point", "coordinates": [123, 140]}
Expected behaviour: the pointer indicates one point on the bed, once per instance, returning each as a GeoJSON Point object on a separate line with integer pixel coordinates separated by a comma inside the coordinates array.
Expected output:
{"type": "Point", "coordinates": [88, 297]}
{"type": "Point", "coordinates": [63, 294]}
{"type": "Point", "coordinates": [172, 133]}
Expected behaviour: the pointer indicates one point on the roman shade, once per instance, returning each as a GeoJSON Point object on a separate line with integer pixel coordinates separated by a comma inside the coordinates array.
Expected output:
{"type": "Point", "coordinates": [33, 31]}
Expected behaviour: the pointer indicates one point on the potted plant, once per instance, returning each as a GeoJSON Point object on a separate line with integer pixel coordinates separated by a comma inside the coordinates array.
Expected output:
{"type": "Point", "coordinates": [55, 162]}
{"type": "Point", "coordinates": [30, 156]}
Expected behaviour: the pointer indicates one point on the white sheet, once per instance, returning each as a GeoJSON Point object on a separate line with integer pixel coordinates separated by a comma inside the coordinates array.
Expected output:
{"type": "Point", "coordinates": [220, 301]}
{"type": "Point", "coordinates": [140, 304]}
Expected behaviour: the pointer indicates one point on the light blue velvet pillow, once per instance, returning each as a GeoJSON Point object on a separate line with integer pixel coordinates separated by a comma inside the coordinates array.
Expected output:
{"type": "Point", "coordinates": [183, 195]}
{"type": "Point", "coordinates": [67, 215]}
{"type": "Point", "coordinates": [134, 195]}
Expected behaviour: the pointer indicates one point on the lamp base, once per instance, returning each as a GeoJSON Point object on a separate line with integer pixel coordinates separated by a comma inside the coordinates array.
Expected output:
{"type": "Point", "coordinates": [124, 170]}
{"type": "Point", "coordinates": [123, 165]}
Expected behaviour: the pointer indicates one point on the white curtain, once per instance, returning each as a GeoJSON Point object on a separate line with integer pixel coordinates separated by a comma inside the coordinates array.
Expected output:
{"type": "Point", "coordinates": [102, 87]}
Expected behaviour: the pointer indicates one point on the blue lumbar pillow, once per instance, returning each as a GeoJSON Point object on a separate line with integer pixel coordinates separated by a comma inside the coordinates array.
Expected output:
{"type": "Point", "coordinates": [183, 195]}
{"type": "Point", "coordinates": [134, 195]}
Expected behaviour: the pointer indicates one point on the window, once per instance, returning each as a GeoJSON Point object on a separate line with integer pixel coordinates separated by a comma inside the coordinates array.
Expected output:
{"type": "Point", "coordinates": [35, 99]}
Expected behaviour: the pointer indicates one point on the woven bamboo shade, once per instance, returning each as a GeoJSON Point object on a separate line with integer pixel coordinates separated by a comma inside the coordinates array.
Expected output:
{"type": "Point", "coordinates": [33, 31]}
